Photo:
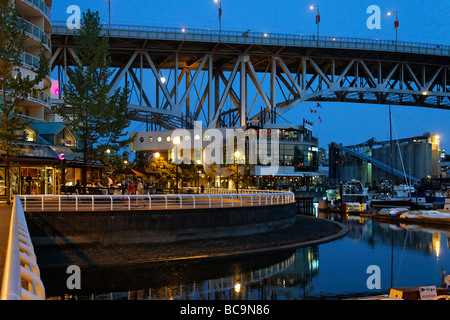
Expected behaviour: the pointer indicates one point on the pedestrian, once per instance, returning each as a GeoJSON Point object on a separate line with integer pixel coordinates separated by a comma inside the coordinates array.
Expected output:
{"type": "Point", "coordinates": [202, 188]}
{"type": "Point", "coordinates": [140, 187]}
{"type": "Point", "coordinates": [130, 188]}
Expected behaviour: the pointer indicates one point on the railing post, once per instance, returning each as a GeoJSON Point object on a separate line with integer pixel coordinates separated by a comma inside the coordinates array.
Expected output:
{"type": "Point", "coordinates": [193, 198]}
{"type": "Point", "coordinates": [166, 201]}
{"type": "Point", "coordinates": [241, 199]}
{"type": "Point", "coordinates": [76, 203]}
{"type": "Point", "coordinates": [129, 203]}
{"type": "Point", "coordinates": [181, 202]}
{"type": "Point", "coordinates": [149, 203]}
{"type": "Point", "coordinates": [92, 203]}
{"type": "Point", "coordinates": [111, 203]}
{"type": "Point", "coordinates": [59, 203]}
{"type": "Point", "coordinates": [42, 197]}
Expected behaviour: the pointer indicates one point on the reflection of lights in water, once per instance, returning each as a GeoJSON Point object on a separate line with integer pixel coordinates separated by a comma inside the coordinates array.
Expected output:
{"type": "Point", "coordinates": [316, 209]}
{"type": "Point", "coordinates": [436, 243]}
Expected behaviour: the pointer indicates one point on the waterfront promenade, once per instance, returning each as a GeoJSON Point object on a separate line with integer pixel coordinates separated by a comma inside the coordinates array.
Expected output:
{"type": "Point", "coordinates": [5, 219]}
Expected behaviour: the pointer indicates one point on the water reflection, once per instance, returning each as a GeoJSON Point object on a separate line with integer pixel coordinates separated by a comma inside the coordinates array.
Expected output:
{"type": "Point", "coordinates": [407, 256]}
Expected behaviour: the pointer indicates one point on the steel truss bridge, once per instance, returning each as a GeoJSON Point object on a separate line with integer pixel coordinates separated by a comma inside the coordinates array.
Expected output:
{"type": "Point", "coordinates": [226, 78]}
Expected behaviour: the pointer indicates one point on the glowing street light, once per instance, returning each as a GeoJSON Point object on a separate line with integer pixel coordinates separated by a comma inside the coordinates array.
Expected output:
{"type": "Point", "coordinates": [237, 154]}
{"type": "Point", "coordinates": [317, 19]}
{"type": "Point", "coordinates": [396, 26]}
{"type": "Point", "coordinates": [220, 16]}
{"type": "Point", "coordinates": [176, 142]}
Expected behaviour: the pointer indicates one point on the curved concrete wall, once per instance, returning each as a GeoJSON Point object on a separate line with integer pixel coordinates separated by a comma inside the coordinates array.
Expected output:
{"type": "Point", "coordinates": [109, 228]}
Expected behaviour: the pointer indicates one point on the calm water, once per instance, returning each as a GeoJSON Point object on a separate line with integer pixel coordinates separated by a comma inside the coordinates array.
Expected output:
{"type": "Point", "coordinates": [406, 256]}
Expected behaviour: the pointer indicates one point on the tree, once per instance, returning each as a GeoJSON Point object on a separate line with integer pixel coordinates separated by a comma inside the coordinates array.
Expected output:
{"type": "Point", "coordinates": [235, 174]}
{"type": "Point", "coordinates": [248, 176]}
{"type": "Point", "coordinates": [15, 88]}
{"type": "Point", "coordinates": [211, 173]}
{"type": "Point", "coordinates": [98, 119]}
{"type": "Point", "coordinates": [163, 171]}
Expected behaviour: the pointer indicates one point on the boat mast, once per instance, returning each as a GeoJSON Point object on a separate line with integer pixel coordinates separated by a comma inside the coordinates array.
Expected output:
{"type": "Point", "coordinates": [392, 165]}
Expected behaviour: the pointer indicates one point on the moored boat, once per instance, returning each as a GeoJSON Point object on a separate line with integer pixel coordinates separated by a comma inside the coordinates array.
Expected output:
{"type": "Point", "coordinates": [400, 198]}
{"type": "Point", "coordinates": [355, 197]}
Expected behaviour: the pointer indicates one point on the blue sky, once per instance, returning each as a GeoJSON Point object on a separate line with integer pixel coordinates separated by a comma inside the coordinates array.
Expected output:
{"type": "Point", "coordinates": [420, 21]}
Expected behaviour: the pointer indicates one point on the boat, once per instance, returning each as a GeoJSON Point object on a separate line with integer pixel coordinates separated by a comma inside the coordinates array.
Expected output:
{"type": "Point", "coordinates": [355, 196]}
{"type": "Point", "coordinates": [400, 198]}
{"type": "Point", "coordinates": [447, 203]}
{"type": "Point", "coordinates": [435, 217]}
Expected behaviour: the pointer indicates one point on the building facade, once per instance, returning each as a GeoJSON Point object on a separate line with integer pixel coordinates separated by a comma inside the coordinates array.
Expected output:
{"type": "Point", "coordinates": [281, 156]}
{"type": "Point", "coordinates": [417, 156]}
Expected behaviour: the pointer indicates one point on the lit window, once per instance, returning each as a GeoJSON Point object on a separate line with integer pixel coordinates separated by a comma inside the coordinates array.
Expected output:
{"type": "Point", "coordinates": [150, 139]}
{"type": "Point", "coordinates": [168, 138]}
{"type": "Point", "coordinates": [159, 139]}
{"type": "Point", "coordinates": [196, 137]}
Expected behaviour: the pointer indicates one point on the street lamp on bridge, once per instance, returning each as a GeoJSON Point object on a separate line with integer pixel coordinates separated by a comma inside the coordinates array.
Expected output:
{"type": "Point", "coordinates": [317, 20]}
{"type": "Point", "coordinates": [396, 25]}
{"type": "Point", "coordinates": [220, 17]}
{"type": "Point", "coordinates": [176, 141]}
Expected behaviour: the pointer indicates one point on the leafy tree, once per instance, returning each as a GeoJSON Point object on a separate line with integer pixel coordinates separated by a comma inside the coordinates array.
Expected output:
{"type": "Point", "coordinates": [15, 87]}
{"type": "Point", "coordinates": [98, 119]}
{"type": "Point", "coordinates": [235, 174]}
{"type": "Point", "coordinates": [189, 173]}
{"type": "Point", "coordinates": [248, 175]}
{"type": "Point", "coordinates": [211, 173]}
{"type": "Point", "coordinates": [163, 171]}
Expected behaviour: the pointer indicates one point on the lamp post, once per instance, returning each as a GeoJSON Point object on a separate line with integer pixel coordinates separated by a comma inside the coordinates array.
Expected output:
{"type": "Point", "coordinates": [220, 17]}
{"type": "Point", "coordinates": [176, 142]}
{"type": "Point", "coordinates": [109, 12]}
{"type": "Point", "coordinates": [317, 20]}
{"type": "Point", "coordinates": [236, 155]}
{"type": "Point", "coordinates": [396, 25]}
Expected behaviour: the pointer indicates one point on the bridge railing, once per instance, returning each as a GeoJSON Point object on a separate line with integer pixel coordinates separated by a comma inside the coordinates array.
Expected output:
{"type": "Point", "coordinates": [21, 278]}
{"type": "Point", "coordinates": [151, 202]}
{"type": "Point", "coordinates": [137, 31]}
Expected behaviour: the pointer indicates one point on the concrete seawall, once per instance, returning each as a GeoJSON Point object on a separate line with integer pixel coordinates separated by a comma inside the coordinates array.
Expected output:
{"type": "Point", "coordinates": [110, 228]}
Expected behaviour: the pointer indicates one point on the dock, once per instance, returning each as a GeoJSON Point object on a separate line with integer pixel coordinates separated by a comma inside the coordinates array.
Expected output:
{"type": "Point", "coordinates": [5, 219]}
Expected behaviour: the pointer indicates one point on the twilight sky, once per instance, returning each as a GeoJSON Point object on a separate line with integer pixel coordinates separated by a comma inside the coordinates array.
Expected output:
{"type": "Point", "coordinates": [348, 123]}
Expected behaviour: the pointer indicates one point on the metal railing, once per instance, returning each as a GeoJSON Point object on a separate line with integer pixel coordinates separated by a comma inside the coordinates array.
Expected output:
{"type": "Point", "coordinates": [151, 202]}
{"type": "Point", "coordinates": [282, 39]}
{"type": "Point", "coordinates": [21, 278]}
{"type": "Point", "coordinates": [40, 5]}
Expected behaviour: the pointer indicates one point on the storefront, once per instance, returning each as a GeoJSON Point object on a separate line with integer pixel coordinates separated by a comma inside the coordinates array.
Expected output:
{"type": "Point", "coordinates": [45, 169]}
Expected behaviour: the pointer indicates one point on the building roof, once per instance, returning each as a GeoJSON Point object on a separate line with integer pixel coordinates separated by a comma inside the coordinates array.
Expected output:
{"type": "Point", "coordinates": [48, 127]}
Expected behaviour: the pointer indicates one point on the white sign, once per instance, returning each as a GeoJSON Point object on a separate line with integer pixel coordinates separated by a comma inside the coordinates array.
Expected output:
{"type": "Point", "coordinates": [428, 293]}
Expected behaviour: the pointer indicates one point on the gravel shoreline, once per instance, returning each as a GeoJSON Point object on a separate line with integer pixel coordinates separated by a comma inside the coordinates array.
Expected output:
{"type": "Point", "coordinates": [306, 229]}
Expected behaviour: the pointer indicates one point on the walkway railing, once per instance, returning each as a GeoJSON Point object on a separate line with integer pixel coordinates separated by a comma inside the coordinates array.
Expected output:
{"type": "Point", "coordinates": [281, 39]}
{"type": "Point", "coordinates": [21, 278]}
{"type": "Point", "coordinates": [151, 202]}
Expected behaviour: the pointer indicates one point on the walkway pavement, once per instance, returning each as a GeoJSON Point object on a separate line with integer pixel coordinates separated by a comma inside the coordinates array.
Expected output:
{"type": "Point", "coordinates": [5, 219]}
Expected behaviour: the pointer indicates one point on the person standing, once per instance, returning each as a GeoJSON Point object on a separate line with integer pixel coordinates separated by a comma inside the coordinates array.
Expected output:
{"type": "Point", "coordinates": [130, 188]}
